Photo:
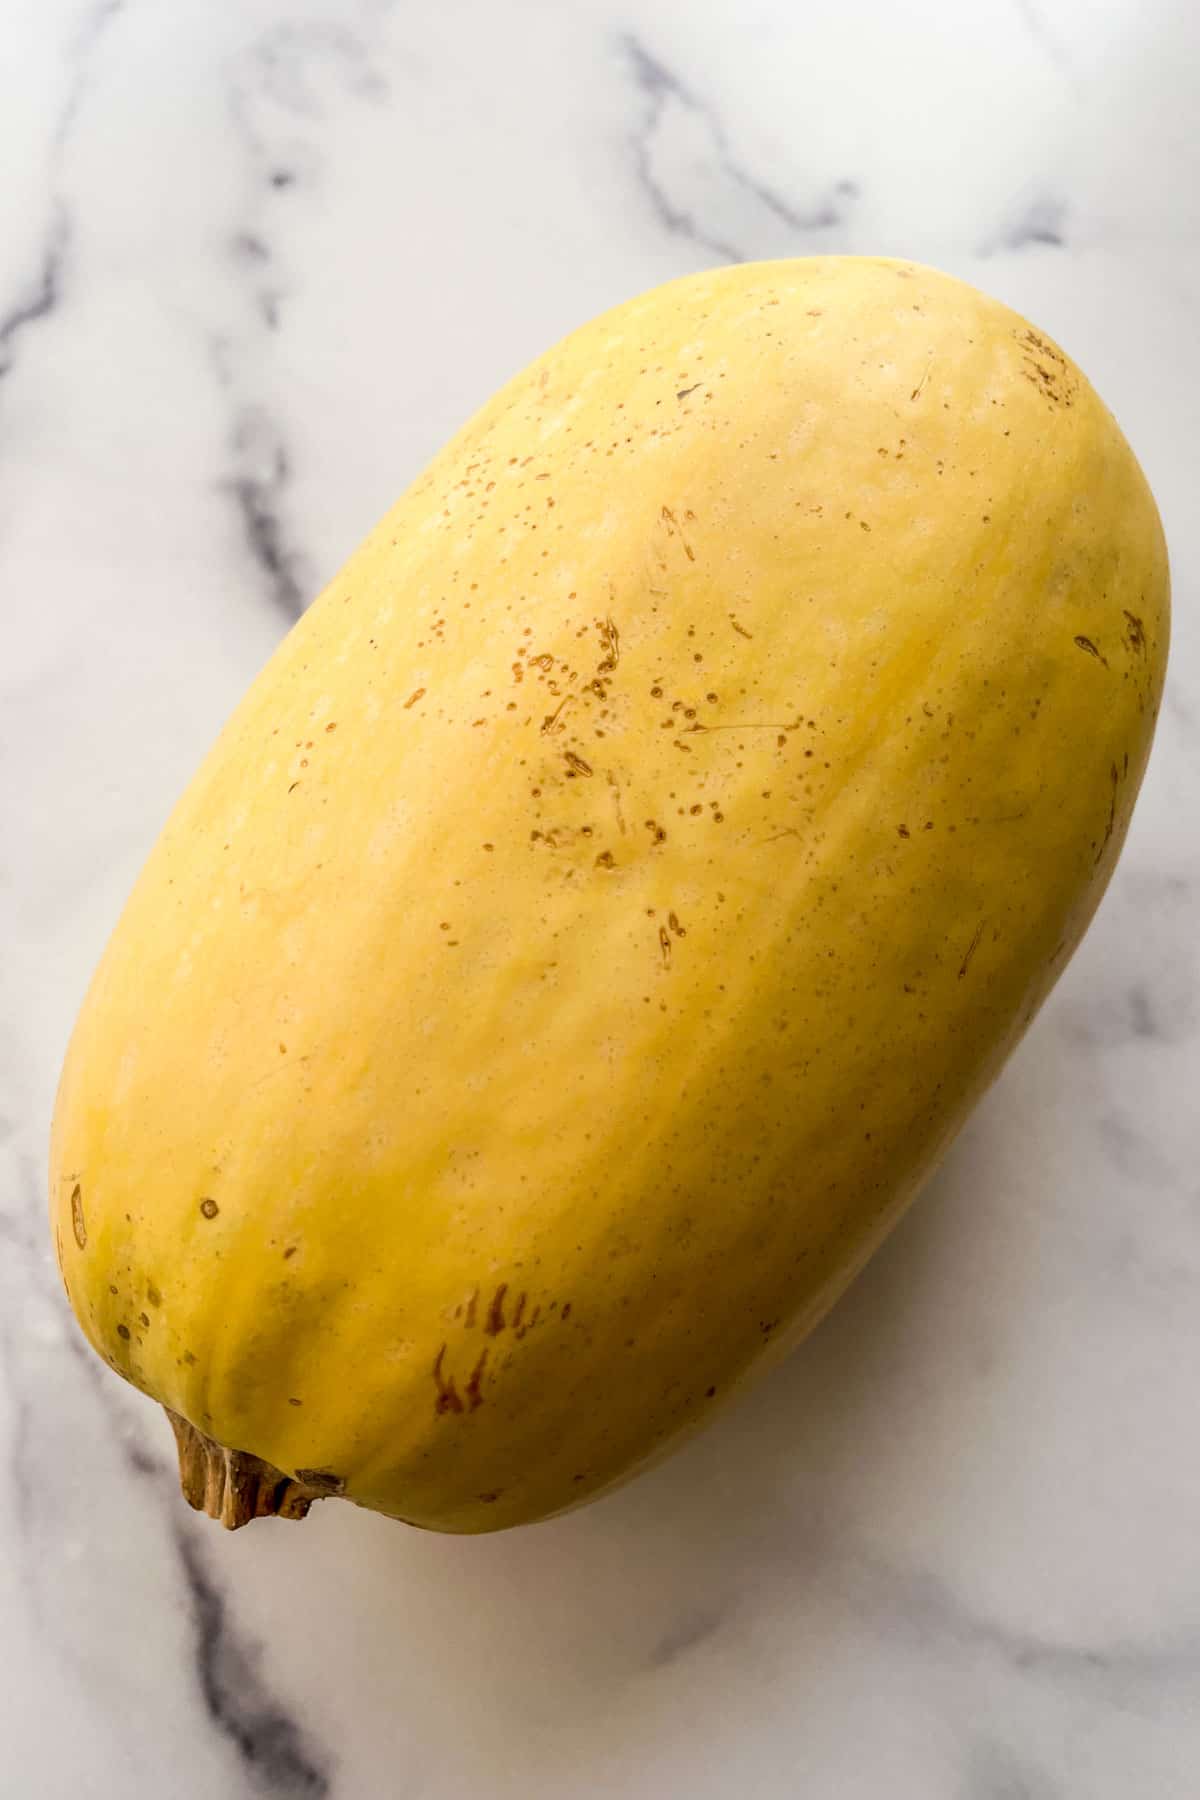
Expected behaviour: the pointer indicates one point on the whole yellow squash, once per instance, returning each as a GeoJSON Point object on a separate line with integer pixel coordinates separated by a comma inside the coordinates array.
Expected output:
{"type": "Point", "coordinates": [609, 901]}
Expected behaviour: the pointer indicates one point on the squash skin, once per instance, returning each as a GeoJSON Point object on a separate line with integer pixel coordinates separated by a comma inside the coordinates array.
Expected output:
{"type": "Point", "coordinates": [612, 897]}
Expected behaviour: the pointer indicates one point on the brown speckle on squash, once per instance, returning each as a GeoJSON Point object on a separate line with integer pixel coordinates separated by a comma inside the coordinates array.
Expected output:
{"type": "Point", "coordinates": [78, 1224]}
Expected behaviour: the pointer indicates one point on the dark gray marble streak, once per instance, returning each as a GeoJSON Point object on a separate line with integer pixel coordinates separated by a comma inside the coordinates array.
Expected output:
{"type": "Point", "coordinates": [283, 72]}
{"type": "Point", "coordinates": [1042, 222]}
{"type": "Point", "coordinates": [272, 1745]}
{"type": "Point", "coordinates": [44, 292]}
{"type": "Point", "coordinates": [660, 89]}
{"type": "Point", "coordinates": [259, 483]}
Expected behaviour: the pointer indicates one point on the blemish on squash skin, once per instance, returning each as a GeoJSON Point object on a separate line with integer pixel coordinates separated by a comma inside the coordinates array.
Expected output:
{"type": "Point", "coordinates": [78, 1224]}
{"type": "Point", "coordinates": [1114, 778]}
{"type": "Point", "coordinates": [494, 1323]}
{"type": "Point", "coordinates": [474, 1387]}
{"type": "Point", "coordinates": [448, 1398]}
{"type": "Point", "coordinates": [209, 1208]}
{"type": "Point", "coordinates": [1135, 637]}
{"type": "Point", "coordinates": [1086, 645]}
{"type": "Point", "coordinates": [972, 947]}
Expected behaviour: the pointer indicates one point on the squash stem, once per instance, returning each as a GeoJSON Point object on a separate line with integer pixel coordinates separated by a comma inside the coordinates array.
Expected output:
{"type": "Point", "coordinates": [234, 1486]}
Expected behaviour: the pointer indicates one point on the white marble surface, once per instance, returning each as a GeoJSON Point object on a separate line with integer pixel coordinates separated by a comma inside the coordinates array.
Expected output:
{"type": "Point", "coordinates": [256, 262]}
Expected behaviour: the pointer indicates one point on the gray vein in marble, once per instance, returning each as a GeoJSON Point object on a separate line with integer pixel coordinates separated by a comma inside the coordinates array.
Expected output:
{"type": "Point", "coordinates": [272, 1746]}
{"type": "Point", "coordinates": [276, 1752]}
{"type": "Point", "coordinates": [21, 1509]}
{"type": "Point", "coordinates": [44, 292]}
{"type": "Point", "coordinates": [1041, 222]}
{"type": "Point", "coordinates": [259, 487]}
{"type": "Point", "coordinates": [92, 28]}
{"type": "Point", "coordinates": [1133, 1153]}
{"type": "Point", "coordinates": [744, 195]}
{"type": "Point", "coordinates": [1115, 1670]}
{"type": "Point", "coordinates": [690, 1631]}
{"type": "Point", "coordinates": [283, 71]}
{"type": "Point", "coordinates": [996, 1772]}
{"type": "Point", "coordinates": [1047, 42]}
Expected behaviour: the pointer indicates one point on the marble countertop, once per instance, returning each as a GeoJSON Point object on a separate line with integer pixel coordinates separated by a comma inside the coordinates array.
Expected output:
{"type": "Point", "coordinates": [256, 262]}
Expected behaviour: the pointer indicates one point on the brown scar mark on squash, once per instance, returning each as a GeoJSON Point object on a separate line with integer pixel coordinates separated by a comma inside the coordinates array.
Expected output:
{"type": "Point", "coordinates": [682, 393]}
{"type": "Point", "coordinates": [576, 763]}
{"type": "Point", "coordinates": [676, 927]}
{"type": "Point", "coordinates": [209, 1208]}
{"type": "Point", "coordinates": [788, 831]}
{"type": "Point", "coordinates": [1057, 383]}
{"type": "Point", "coordinates": [740, 629]}
{"type": "Point", "coordinates": [550, 724]}
{"type": "Point", "coordinates": [610, 645]}
{"type": "Point", "coordinates": [417, 694]}
{"type": "Point", "coordinates": [519, 1312]}
{"type": "Point", "coordinates": [469, 1321]}
{"type": "Point", "coordinates": [1114, 778]}
{"type": "Point", "coordinates": [615, 785]}
{"type": "Point", "coordinates": [492, 1495]}
{"type": "Point", "coordinates": [78, 1223]}
{"type": "Point", "coordinates": [972, 947]}
{"type": "Point", "coordinates": [670, 520]}
{"type": "Point", "coordinates": [448, 1398]}
{"type": "Point", "coordinates": [324, 1480]}
{"type": "Point", "coordinates": [605, 860]}
{"type": "Point", "coordinates": [474, 1387]}
{"type": "Point", "coordinates": [1135, 637]}
{"type": "Point", "coordinates": [1085, 644]}
{"type": "Point", "coordinates": [920, 387]}
{"type": "Point", "coordinates": [664, 944]}
{"type": "Point", "coordinates": [494, 1323]}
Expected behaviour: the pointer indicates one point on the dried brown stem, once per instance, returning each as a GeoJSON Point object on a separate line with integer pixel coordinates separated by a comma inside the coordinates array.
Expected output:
{"type": "Point", "coordinates": [235, 1487]}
